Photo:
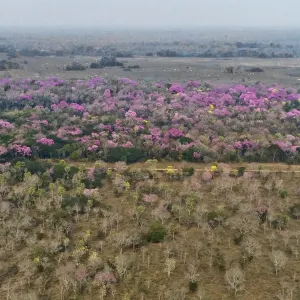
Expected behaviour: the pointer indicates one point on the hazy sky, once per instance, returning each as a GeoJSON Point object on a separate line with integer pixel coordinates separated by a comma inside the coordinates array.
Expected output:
{"type": "Point", "coordinates": [150, 13]}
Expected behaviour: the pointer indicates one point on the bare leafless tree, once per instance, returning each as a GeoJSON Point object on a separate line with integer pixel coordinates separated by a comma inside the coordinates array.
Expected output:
{"type": "Point", "coordinates": [251, 247]}
{"type": "Point", "coordinates": [286, 291]}
{"type": "Point", "coordinates": [170, 265]}
{"type": "Point", "coordinates": [200, 294]}
{"type": "Point", "coordinates": [123, 262]}
{"type": "Point", "coordinates": [244, 223]}
{"type": "Point", "coordinates": [192, 273]}
{"type": "Point", "coordinates": [235, 279]}
{"type": "Point", "coordinates": [279, 260]}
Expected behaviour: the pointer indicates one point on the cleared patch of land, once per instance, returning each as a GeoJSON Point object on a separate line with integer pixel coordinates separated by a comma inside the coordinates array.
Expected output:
{"type": "Point", "coordinates": [284, 71]}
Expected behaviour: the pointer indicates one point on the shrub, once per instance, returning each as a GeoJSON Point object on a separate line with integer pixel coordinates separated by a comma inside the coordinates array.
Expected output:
{"type": "Point", "coordinates": [274, 154]}
{"type": "Point", "coordinates": [92, 184]}
{"type": "Point", "coordinates": [255, 70]}
{"type": "Point", "coordinates": [189, 171]}
{"type": "Point", "coordinates": [238, 239]}
{"type": "Point", "coordinates": [75, 66]}
{"type": "Point", "coordinates": [280, 221]}
{"type": "Point", "coordinates": [288, 106]}
{"type": "Point", "coordinates": [134, 67]}
{"type": "Point", "coordinates": [188, 155]}
{"type": "Point", "coordinates": [60, 215]}
{"type": "Point", "coordinates": [241, 171]}
{"type": "Point", "coordinates": [7, 65]}
{"type": "Point", "coordinates": [215, 218]}
{"type": "Point", "coordinates": [73, 170]}
{"type": "Point", "coordinates": [295, 211]}
{"type": "Point", "coordinates": [72, 201]}
{"type": "Point", "coordinates": [94, 65]}
{"type": "Point", "coordinates": [106, 61]}
{"type": "Point", "coordinates": [33, 166]}
{"type": "Point", "coordinates": [167, 53]}
{"type": "Point", "coordinates": [6, 138]}
{"type": "Point", "coordinates": [185, 140]}
{"type": "Point", "coordinates": [37, 166]}
{"type": "Point", "coordinates": [229, 70]}
{"type": "Point", "coordinates": [193, 286]}
{"type": "Point", "coordinates": [129, 155]}
{"type": "Point", "coordinates": [75, 155]}
{"type": "Point", "coordinates": [123, 54]}
{"type": "Point", "coordinates": [58, 171]}
{"type": "Point", "coordinates": [219, 261]}
{"type": "Point", "coordinates": [283, 194]}
{"type": "Point", "coordinates": [156, 233]}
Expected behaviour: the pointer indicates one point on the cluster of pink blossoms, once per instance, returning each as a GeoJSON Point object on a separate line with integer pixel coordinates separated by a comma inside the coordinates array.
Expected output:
{"type": "Point", "coordinates": [245, 145]}
{"type": "Point", "coordinates": [127, 145]}
{"type": "Point", "coordinates": [93, 148]}
{"type": "Point", "coordinates": [61, 105]}
{"type": "Point", "coordinates": [21, 149]}
{"type": "Point", "coordinates": [104, 278]}
{"type": "Point", "coordinates": [174, 133]}
{"type": "Point", "coordinates": [25, 97]}
{"type": "Point", "coordinates": [176, 88]}
{"type": "Point", "coordinates": [130, 114]}
{"type": "Point", "coordinates": [196, 155]}
{"type": "Point", "coordinates": [128, 81]}
{"type": "Point", "coordinates": [46, 141]}
{"type": "Point", "coordinates": [63, 132]}
{"type": "Point", "coordinates": [77, 107]}
{"type": "Point", "coordinates": [64, 105]}
{"type": "Point", "coordinates": [286, 147]}
{"type": "Point", "coordinates": [293, 114]}
{"type": "Point", "coordinates": [90, 192]}
{"type": "Point", "coordinates": [150, 198]}
{"type": "Point", "coordinates": [3, 150]}
{"type": "Point", "coordinates": [111, 144]}
{"type": "Point", "coordinates": [6, 124]}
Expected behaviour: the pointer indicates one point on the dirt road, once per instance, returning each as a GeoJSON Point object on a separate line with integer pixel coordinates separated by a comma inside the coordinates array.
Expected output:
{"type": "Point", "coordinates": [164, 166]}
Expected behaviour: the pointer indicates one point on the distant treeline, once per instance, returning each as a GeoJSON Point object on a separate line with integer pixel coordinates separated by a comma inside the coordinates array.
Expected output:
{"type": "Point", "coordinates": [164, 49]}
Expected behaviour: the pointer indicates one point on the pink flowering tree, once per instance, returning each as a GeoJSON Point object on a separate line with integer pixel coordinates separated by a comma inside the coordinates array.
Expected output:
{"type": "Point", "coordinates": [45, 141]}
{"type": "Point", "coordinates": [6, 125]}
{"type": "Point", "coordinates": [176, 88]}
{"type": "Point", "coordinates": [22, 150]}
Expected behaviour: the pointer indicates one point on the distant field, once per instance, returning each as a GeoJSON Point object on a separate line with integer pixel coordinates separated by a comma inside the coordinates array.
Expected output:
{"type": "Point", "coordinates": [282, 71]}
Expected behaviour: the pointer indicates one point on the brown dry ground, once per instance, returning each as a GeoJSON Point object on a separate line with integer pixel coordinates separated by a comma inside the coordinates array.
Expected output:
{"type": "Point", "coordinates": [163, 165]}
{"type": "Point", "coordinates": [261, 282]}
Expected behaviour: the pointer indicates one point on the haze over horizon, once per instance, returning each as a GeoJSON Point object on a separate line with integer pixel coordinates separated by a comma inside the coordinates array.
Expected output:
{"type": "Point", "coordinates": [150, 14]}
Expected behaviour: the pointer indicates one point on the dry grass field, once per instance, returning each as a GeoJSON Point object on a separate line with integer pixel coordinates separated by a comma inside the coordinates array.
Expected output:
{"type": "Point", "coordinates": [283, 71]}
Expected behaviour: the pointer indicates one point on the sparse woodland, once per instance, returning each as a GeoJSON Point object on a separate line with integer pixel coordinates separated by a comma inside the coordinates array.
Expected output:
{"type": "Point", "coordinates": [131, 232]}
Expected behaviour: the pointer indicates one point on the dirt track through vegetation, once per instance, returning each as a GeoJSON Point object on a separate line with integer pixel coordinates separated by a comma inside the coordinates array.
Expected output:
{"type": "Point", "coordinates": [199, 167]}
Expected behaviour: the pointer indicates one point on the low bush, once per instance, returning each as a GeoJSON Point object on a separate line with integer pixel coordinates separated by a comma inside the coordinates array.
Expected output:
{"type": "Point", "coordinates": [129, 155]}
{"type": "Point", "coordinates": [188, 171]}
{"type": "Point", "coordinates": [193, 286]}
{"type": "Point", "coordinates": [75, 66]}
{"type": "Point", "coordinates": [283, 194]}
{"type": "Point", "coordinates": [81, 201]}
{"type": "Point", "coordinates": [215, 218]}
{"type": "Point", "coordinates": [156, 233]}
{"type": "Point", "coordinates": [295, 211]}
{"type": "Point", "coordinates": [280, 221]}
